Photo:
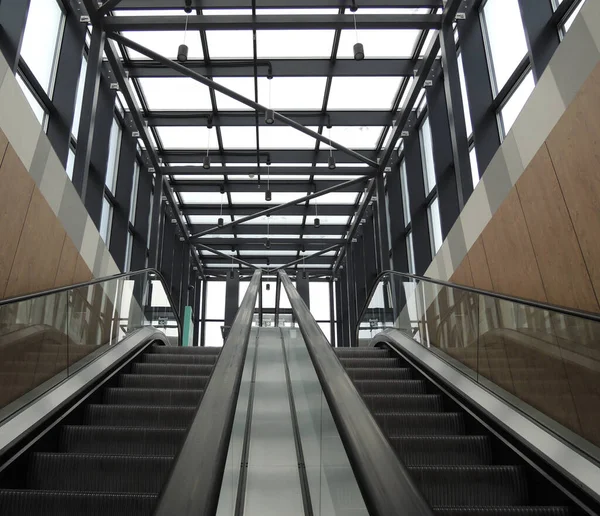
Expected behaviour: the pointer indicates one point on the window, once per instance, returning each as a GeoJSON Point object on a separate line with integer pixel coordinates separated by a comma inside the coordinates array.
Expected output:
{"type": "Point", "coordinates": [513, 106]}
{"type": "Point", "coordinates": [114, 148]}
{"type": "Point", "coordinates": [38, 109]}
{"type": "Point", "coordinates": [215, 294]}
{"type": "Point", "coordinates": [41, 40]}
{"type": "Point", "coordinates": [405, 197]}
{"type": "Point", "coordinates": [474, 167]}
{"type": "Point", "coordinates": [70, 163]}
{"type": "Point", "coordinates": [570, 18]}
{"type": "Point", "coordinates": [79, 98]}
{"type": "Point", "coordinates": [427, 155]}
{"type": "Point", "coordinates": [150, 228]}
{"type": "Point", "coordinates": [318, 293]}
{"type": "Point", "coordinates": [435, 226]}
{"type": "Point", "coordinates": [106, 220]}
{"type": "Point", "coordinates": [506, 42]}
{"type": "Point", "coordinates": [134, 191]}
{"type": "Point", "coordinates": [465, 99]}
{"type": "Point", "coordinates": [128, 251]}
{"type": "Point", "coordinates": [410, 254]}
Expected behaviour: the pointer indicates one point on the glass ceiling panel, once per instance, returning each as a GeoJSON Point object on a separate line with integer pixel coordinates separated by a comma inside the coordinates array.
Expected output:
{"type": "Point", "coordinates": [242, 85]}
{"type": "Point", "coordinates": [204, 219]}
{"type": "Point", "coordinates": [267, 252]}
{"type": "Point", "coordinates": [361, 93]}
{"type": "Point", "coordinates": [193, 177]}
{"type": "Point", "coordinates": [175, 94]}
{"type": "Point", "coordinates": [292, 93]}
{"type": "Point", "coordinates": [327, 220]}
{"type": "Point", "coordinates": [363, 137]}
{"type": "Point", "coordinates": [379, 43]}
{"type": "Point", "coordinates": [294, 43]}
{"type": "Point", "coordinates": [296, 11]}
{"type": "Point", "coordinates": [430, 35]}
{"type": "Point", "coordinates": [276, 220]}
{"type": "Point", "coordinates": [258, 197]}
{"type": "Point", "coordinates": [285, 137]}
{"type": "Point", "coordinates": [192, 138]}
{"type": "Point", "coordinates": [165, 43]}
{"type": "Point", "coordinates": [336, 198]}
{"type": "Point", "coordinates": [203, 198]}
{"type": "Point", "coordinates": [235, 137]}
{"type": "Point", "coordinates": [229, 44]}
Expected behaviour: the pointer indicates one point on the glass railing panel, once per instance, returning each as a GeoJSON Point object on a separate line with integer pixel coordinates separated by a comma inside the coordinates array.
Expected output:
{"type": "Point", "coordinates": [332, 485]}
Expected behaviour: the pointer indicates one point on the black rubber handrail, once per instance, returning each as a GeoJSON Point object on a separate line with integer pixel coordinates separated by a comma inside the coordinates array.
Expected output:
{"type": "Point", "coordinates": [58, 290]}
{"type": "Point", "coordinates": [528, 302]}
{"type": "Point", "coordinates": [384, 482]}
{"type": "Point", "coordinates": [194, 484]}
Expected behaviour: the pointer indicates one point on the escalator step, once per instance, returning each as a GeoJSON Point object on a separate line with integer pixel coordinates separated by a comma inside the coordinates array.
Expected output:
{"type": "Point", "coordinates": [502, 511]}
{"type": "Point", "coordinates": [174, 358]}
{"type": "Point", "coordinates": [156, 381]}
{"type": "Point", "coordinates": [372, 362]}
{"type": "Point", "coordinates": [139, 416]}
{"type": "Point", "coordinates": [384, 373]}
{"type": "Point", "coordinates": [390, 386]}
{"type": "Point", "coordinates": [51, 503]}
{"type": "Point", "coordinates": [97, 473]}
{"type": "Point", "coordinates": [193, 350]}
{"type": "Point", "coordinates": [362, 353]}
{"type": "Point", "coordinates": [443, 451]}
{"type": "Point", "coordinates": [170, 369]}
{"type": "Point", "coordinates": [404, 402]}
{"type": "Point", "coordinates": [119, 440]}
{"type": "Point", "coordinates": [446, 423]}
{"type": "Point", "coordinates": [471, 486]}
{"type": "Point", "coordinates": [162, 397]}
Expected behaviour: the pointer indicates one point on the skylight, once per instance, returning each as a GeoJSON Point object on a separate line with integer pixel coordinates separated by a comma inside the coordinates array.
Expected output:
{"type": "Point", "coordinates": [175, 94]}
{"type": "Point", "coordinates": [379, 43]}
{"type": "Point", "coordinates": [166, 43]}
{"type": "Point", "coordinates": [294, 44]}
{"type": "Point", "coordinates": [362, 93]}
{"type": "Point", "coordinates": [189, 138]}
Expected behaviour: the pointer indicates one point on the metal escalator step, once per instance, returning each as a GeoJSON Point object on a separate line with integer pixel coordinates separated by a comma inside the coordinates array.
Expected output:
{"type": "Point", "coordinates": [120, 440]}
{"type": "Point", "coordinates": [443, 450]}
{"type": "Point", "coordinates": [139, 416]}
{"type": "Point", "coordinates": [157, 381]}
{"type": "Point", "coordinates": [176, 358]}
{"type": "Point", "coordinates": [421, 424]}
{"type": "Point", "coordinates": [97, 473]}
{"type": "Point", "coordinates": [390, 386]}
{"type": "Point", "coordinates": [471, 486]}
{"type": "Point", "coordinates": [372, 362]}
{"type": "Point", "coordinates": [162, 397]}
{"type": "Point", "coordinates": [383, 373]}
{"type": "Point", "coordinates": [178, 369]}
{"type": "Point", "coordinates": [189, 350]}
{"type": "Point", "coordinates": [502, 511]}
{"type": "Point", "coordinates": [404, 402]}
{"type": "Point", "coordinates": [362, 352]}
{"type": "Point", "coordinates": [52, 503]}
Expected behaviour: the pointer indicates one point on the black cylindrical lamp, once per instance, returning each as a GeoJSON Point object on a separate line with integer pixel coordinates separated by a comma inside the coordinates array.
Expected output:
{"type": "Point", "coordinates": [359, 52]}
{"type": "Point", "coordinates": [317, 222]}
{"type": "Point", "coordinates": [182, 53]}
{"type": "Point", "coordinates": [331, 163]}
{"type": "Point", "coordinates": [269, 117]}
{"type": "Point", "coordinates": [206, 162]}
{"type": "Point", "coordinates": [268, 244]}
{"type": "Point", "coordinates": [220, 222]}
{"type": "Point", "coordinates": [268, 195]}
{"type": "Point", "coordinates": [268, 284]}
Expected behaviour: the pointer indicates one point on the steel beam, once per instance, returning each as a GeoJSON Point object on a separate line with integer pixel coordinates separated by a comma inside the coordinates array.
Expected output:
{"type": "Point", "coordinates": [255, 209]}
{"type": "Point", "coordinates": [280, 68]}
{"type": "Point", "coordinates": [277, 156]}
{"type": "Point", "coordinates": [275, 171]}
{"type": "Point", "coordinates": [236, 96]}
{"type": "Point", "coordinates": [273, 22]}
{"type": "Point", "coordinates": [275, 209]}
{"type": "Point", "coordinates": [338, 230]}
{"type": "Point", "coordinates": [224, 255]}
{"type": "Point", "coordinates": [271, 4]}
{"type": "Point", "coordinates": [306, 258]}
{"type": "Point", "coordinates": [256, 244]}
{"type": "Point", "coordinates": [204, 185]}
{"type": "Point", "coordinates": [108, 6]}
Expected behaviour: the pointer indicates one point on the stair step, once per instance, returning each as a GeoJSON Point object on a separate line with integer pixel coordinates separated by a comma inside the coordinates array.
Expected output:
{"type": "Point", "coordinates": [390, 386]}
{"type": "Point", "coordinates": [362, 352]}
{"type": "Point", "coordinates": [121, 440]}
{"type": "Point", "coordinates": [162, 397]}
{"type": "Point", "coordinates": [188, 350]}
{"type": "Point", "coordinates": [382, 403]}
{"type": "Point", "coordinates": [97, 473]}
{"type": "Point", "coordinates": [178, 358]}
{"type": "Point", "coordinates": [372, 362]}
{"type": "Point", "coordinates": [421, 424]}
{"type": "Point", "coordinates": [383, 373]}
{"type": "Point", "coordinates": [157, 381]}
{"type": "Point", "coordinates": [471, 486]}
{"type": "Point", "coordinates": [52, 503]}
{"type": "Point", "coordinates": [139, 416]}
{"type": "Point", "coordinates": [443, 450]}
{"type": "Point", "coordinates": [170, 369]}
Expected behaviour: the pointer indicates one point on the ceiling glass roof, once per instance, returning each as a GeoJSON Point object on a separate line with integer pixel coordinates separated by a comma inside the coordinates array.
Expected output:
{"type": "Point", "coordinates": [314, 81]}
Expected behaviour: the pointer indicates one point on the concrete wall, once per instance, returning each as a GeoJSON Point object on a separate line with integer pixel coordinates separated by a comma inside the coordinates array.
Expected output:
{"type": "Point", "coordinates": [47, 238]}
{"type": "Point", "coordinates": [530, 228]}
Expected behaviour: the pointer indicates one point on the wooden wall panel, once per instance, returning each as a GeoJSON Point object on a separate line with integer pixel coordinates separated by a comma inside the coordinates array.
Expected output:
{"type": "Point", "coordinates": [37, 257]}
{"type": "Point", "coordinates": [574, 146]}
{"type": "Point", "coordinates": [562, 268]}
{"type": "Point", "coordinates": [67, 264]}
{"type": "Point", "coordinates": [16, 188]}
{"type": "Point", "coordinates": [479, 267]}
{"type": "Point", "coordinates": [510, 257]}
{"type": "Point", "coordinates": [462, 275]}
{"type": "Point", "coordinates": [82, 272]}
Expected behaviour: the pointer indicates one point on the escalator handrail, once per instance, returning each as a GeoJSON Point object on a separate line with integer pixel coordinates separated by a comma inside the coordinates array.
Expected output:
{"type": "Point", "coordinates": [194, 484]}
{"type": "Point", "coordinates": [385, 483]}
{"type": "Point", "coordinates": [105, 279]}
{"type": "Point", "coordinates": [572, 312]}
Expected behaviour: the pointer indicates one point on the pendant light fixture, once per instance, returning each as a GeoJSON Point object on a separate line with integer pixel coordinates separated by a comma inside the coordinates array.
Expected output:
{"type": "Point", "coordinates": [220, 221]}
{"type": "Point", "coordinates": [268, 284]}
{"type": "Point", "coordinates": [359, 49]}
{"type": "Point", "coordinates": [268, 192]}
{"type": "Point", "coordinates": [183, 50]}
{"type": "Point", "coordinates": [188, 6]}
{"type": "Point", "coordinates": [206, 160]}
{"type": "Point", "coordinates": [317, 221]}
{"type": "Point", "coordinates": [268, 241]}
{"type": "Point", "coordinates": [270, 114]}
{"type": "Point", "coordinates": [331, 159]}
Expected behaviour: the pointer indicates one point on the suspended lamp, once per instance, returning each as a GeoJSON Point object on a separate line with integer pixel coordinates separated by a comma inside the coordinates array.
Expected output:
{"type": "Point", "coordinates": [270, 114]}
{"type": "Point", "coordinates": [268, 192]}
{"type": "Point", "coordinates": [220, 221]}
{"type": "Point", "coordinates": [183, 50]}
{"type": "Point", "coordinates": [331, 159]}
{"type": "Point", "coordinates": [206, 160]}
{"type": "Point", "coordinates": [359, 49]}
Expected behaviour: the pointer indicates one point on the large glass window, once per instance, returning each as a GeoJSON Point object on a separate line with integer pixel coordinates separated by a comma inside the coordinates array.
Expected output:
{"type": "Point", "coordinates": [410, 253]}
{"type": "Point", "coordinates": [134, 191]}
{"type": "Point", "coordinates": [405, 197]}
{"type": "Point", "coordinates": [79, 98]}
{"type": "Point", "coordinates": [506, 42]}
{"type": "Point", "coordinates": [128, 251]}
{"type": "Point", "coordinates": [427, 155]}
{"type": "Point", "coordinates": [435, 226]}
{"type": "Point", "coordinates": [215, 297]}
{"type": "Point", "coordinates": [41, 40]}
{"type": "Point", "coordinates": [38, 109]}
{"type": "Point", "coordinates": [113, 155]}
{"type": "Point", "coordinates": [106, 220]}
{"type": "Point", "coordinates": [511, 109]}
{"type": "Point", "coordinates": [319, 300]}
{"type": "Point", "coordinates": [465, 99]}
{"type": "Point", "coordinates": [474, 167]}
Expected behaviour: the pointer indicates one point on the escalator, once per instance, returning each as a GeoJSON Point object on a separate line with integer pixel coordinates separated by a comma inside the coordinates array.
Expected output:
{"type": "Point", "coordinates": [114, 454]}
